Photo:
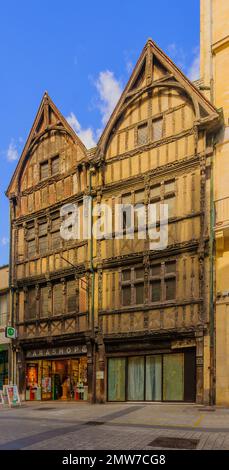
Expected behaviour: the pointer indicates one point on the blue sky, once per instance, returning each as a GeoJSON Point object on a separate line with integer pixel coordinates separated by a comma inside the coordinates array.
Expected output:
{"type": "Point", "coordinates": [82, 53]}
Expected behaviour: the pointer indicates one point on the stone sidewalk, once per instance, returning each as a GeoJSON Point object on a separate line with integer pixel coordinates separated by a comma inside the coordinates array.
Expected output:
{"type": "Point", "coordinates": [76, 426]}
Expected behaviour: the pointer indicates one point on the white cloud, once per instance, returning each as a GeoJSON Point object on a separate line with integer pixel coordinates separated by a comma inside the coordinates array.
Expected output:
{"type": "Point", "coordinates": [4, 241]}
{"type": "Point", "coordinates": [109, 89]}
{"type": "Point", "coordinates": [177, 54]}
{"type": "Point", "coordinates": [194, 69]}
{"type": "Point", "coordinates": [12, 152]}
{"type": "Point", "coordinates": [86, 135]}
{"type": "Point", "coordinates": [129, 66]}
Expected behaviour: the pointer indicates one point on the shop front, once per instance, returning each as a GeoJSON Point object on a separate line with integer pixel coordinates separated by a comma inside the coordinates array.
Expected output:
{"type": "Point", "coordinates": [57, 374]}
{"type": "Point", "coordinates": [168, 377]}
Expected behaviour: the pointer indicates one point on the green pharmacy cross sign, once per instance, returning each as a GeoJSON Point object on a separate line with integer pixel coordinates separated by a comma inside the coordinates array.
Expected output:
{"type": "Point", "coordinates": [10, 332]}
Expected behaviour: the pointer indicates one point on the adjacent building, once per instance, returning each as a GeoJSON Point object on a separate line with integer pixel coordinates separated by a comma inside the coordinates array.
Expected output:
{"type": "Point", "coordinates": [110, 318]}
{"type": "Point", "coordinates": [214, 72]}
{"type": "Point", "coordinates": [4, 321]}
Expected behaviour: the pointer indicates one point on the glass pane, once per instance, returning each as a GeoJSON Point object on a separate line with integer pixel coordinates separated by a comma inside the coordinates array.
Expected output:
{"type": "Point", "coordinates": [116, 379]}
{"type": "Point", "coordinates": [31, 304]}
{"type": "Point", "coordinates": [57, 299]}
{"type": "Point", "coordinates": [170, 267]}
{"type": "Point", "coordinates": [126, 295]}
{"type": "Point", "coordinates": [43, 244]}
{"type": "Point", "coordinates": [170, 186]}
{"type": "Point", "coordinates": [173, 377]}
{"type": "Point", "coordinates": [156, 270]}
{"type": "Point", "coordinates": [44, 170]}
{"type": "Point", "coordinates": [153, 378]}
{"type": "Point", "coordinates": [71, 296]}
{"type": "Point", "coordinates": [139, 293]}
{"type": "Point", "coordinates": [126, 275]}
{"type": "Point", "coordinates": [171, 206]}
{"type": "Point", "coordinates": [31, 248]}
{"type": "Point", "coordinates": [44, 292]}
{"type": "Point", "coordinates": [142, 134]}
{"type": "Point", "coordinates": [157, 129]}
{"type": "Point", "coordinates": [139, 273]}
{"type": "Point", "coordinates": [55, 240]}
{"type": "Point", "coordinates": [156, 291]}
{"type": "Point", "coordinates": [155, 191]}
{"type": "Point", "coordinates": [42, 228]}
{"type": "Point", "coordinates": [55, 165]}
{"type": "Point", "coordinates": [126, 198]}
{"type": "Point", "coordinates": [136, 378]}
{"type": "Point", "coordinates": [139, 196]}
{"type": "Point", "coordinates": [30, 232]}
{"type": "Point", "coordinates": [170, 287]}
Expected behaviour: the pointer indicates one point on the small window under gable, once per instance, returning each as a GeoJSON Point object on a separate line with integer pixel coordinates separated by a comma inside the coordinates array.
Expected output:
{"type": "Point", "coordinates": [157, 129]}
{"type": "Point", "coordinates": [55, 165]}
{"type": "Point", "coordinates": [143, 134]}
{"type": "Point", "coordinates": [44, 170]}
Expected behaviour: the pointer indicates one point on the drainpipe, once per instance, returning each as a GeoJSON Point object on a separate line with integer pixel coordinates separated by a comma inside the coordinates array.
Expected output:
{"type": "Point", "coordinates": [92, 270]}
{"type": "Point", "coordinates": [212, 286]}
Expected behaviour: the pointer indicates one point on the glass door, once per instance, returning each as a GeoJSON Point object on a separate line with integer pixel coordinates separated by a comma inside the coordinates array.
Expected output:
{"type": "Point", "coordinates": [136, 378]}
{"type": "Point", "coordinates": [116, 379]}
{"type": "Point", "coordinates": [173, 377]}
{"type": "Point", "coordinates": [153, 378]}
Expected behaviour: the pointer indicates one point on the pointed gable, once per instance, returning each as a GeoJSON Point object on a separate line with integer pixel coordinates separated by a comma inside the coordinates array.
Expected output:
{"type": "Point", "coordinates": [156, 73]}
{"type": "Point", "coordinates": [49, 124]}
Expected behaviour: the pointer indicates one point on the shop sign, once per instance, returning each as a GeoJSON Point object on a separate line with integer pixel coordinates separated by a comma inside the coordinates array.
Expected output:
{"type": "Point", "coordinates": [60, 351]}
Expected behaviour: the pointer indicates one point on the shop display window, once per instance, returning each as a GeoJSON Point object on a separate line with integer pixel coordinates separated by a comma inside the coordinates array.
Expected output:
{"type": "Point", "coordinates": [59, 379]}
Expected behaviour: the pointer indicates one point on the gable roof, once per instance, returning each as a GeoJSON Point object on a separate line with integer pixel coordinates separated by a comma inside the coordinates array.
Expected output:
{"type": "Point", "coordinates": [173, 77]}
{"type": "Point", "coordinates": [48, 117]}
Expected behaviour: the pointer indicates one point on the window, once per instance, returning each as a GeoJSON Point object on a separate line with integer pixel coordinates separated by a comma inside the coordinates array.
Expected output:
{"type": "Point", "coordinates": [50, 167]}
{"type": "Point", "coordinates": [164, 193]}
{"type": "Point", "coordinates": [42, 237]}
{"type": "Point", "coordinates": [44, 307]}
{"type": "Point", "coordinates": [133, 286]}
{"type": "Point", "coordinates": [4, 304]}
{"type": "Point", "coordinates": [31, 241]}
{"type": "Point", "coordinates": [157, 129]}
{"type": "Point", "coordinates": [163, 281]}
{"type": "Point", "coordinates": [57, 299]}
{"type": "Point", "coordinates": [166, 377]}
{"type": "Point", "coordinates": [71, 296]}
{"type": "Point", "coordinates": [126, 211]}
{"type": "Point", "coordinates": [44, 170]}
{"type": "Point", "coordinates": [55, 165]}
{"type": "Point", "coordinates": [143, 134]}
{"type": "Point", "coordinates": [31, 304]}
{"type": "Point", "coordinates": [55, 232]}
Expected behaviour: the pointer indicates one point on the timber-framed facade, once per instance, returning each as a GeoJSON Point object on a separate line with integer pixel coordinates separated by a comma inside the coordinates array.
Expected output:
{"type": "Point", "coordinates": [111, 319]}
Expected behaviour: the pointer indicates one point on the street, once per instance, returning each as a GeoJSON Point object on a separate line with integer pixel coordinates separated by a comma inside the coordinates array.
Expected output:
{"type": "Point", "coordinates": [130, 426]}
